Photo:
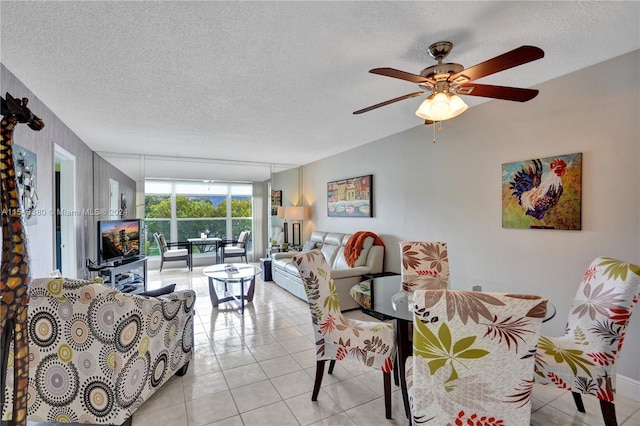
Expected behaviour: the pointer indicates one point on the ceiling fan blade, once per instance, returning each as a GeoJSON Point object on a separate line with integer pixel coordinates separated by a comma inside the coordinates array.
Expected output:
{"type": "Point", "coordinates": [402, 75]}
{"type": "Point", "coordinates": [498, 92]}
{"type": "Point", "coordinates": [519, 56]}
{"type": "Point", "coordinates": [390, 101]}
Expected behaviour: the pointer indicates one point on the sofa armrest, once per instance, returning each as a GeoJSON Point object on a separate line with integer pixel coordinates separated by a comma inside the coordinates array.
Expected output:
{"type": "Point", "coordinates": [284, 255]}
{"type": "Point", "coordinates": [375, 260]}
{"type": "Point", "coordinates": [180, 295]}
{"type": "Point", "coordinates": [351, 272]}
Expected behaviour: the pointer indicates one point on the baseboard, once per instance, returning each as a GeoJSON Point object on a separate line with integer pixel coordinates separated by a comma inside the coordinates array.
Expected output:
{"type": "Point", "coordinates": [628, 387]}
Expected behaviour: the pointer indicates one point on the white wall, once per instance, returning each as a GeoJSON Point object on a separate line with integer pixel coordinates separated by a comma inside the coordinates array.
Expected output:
{"type": "Point", "coordinates": [451, 190]}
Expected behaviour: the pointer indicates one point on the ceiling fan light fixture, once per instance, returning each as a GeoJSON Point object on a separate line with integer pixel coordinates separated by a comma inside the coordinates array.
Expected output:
{"type": "Point", "coordinates": [441, 106]}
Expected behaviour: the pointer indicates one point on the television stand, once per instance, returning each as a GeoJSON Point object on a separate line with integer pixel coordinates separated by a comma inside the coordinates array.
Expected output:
{"type": "Point", "coordinates": [128, 277]}
{"type": "Point", "coordinates": [126, 260]}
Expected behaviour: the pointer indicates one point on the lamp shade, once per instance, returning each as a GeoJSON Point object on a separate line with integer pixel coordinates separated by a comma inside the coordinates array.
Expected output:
{"type": "Point", "coordinates": [441, 106]}
{"type": "Point", "coordinates": [280, 212]}
{"type": "Point", "coordinates": [295, 212]}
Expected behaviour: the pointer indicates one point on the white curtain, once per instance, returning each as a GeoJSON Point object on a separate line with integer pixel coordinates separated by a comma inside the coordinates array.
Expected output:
{"type": "Point", "coordinates": [261, 201]}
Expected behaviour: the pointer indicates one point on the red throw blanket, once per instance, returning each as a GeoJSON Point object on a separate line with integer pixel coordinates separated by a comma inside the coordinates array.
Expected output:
{"type": "Point", "coordinates": [354, 245]}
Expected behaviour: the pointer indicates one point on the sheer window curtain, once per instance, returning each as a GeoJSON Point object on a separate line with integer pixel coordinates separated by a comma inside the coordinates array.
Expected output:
{"type": "Point", "coordinates": [260, 219]}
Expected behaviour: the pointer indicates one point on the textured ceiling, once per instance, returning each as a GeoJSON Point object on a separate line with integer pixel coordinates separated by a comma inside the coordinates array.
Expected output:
{"type": "Point", "coordinates": [234, 87]}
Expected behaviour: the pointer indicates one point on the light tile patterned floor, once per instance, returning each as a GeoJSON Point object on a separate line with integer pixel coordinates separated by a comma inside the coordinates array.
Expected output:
{"type": "Point", "coordinates": [258, 369]}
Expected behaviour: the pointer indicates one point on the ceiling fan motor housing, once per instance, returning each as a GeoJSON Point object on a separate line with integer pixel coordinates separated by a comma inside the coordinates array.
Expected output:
{"type": "Point", "coordinates": [441, 71]}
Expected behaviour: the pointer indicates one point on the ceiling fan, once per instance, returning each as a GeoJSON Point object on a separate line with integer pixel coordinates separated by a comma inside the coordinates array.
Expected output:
{"type": "Point", "coordinates": [445, 81]}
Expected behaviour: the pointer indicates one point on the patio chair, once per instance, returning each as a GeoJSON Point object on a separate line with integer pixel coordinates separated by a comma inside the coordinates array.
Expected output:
{"type": "Point", "coordinates": [170, 254]}
{"type": "Point", "coordinates": [235, 248]}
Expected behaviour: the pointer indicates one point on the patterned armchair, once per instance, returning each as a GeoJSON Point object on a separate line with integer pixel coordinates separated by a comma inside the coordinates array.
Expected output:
{"type": "Point", "coordinates": [473, 357]}
{"type": "Point", "coordinates": [583, 360]}
{"type": "Point", "coordinates": [425, 265]}
{"type": "Point", "coordinates": [97, 354]}
{"type": "Point", "coordinates": [337, 338]}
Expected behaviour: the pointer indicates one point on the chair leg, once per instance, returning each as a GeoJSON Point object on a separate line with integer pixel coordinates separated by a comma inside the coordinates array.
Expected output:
{"type": "Point", "coordinates": [183, 370]}
{"type": "Point", "coordinates": [331, 365]}
{"type": "Point", "coordinates": [316, 385]}
{"type": "Point", "coordinates": [578, 400]}
{"type": "Point", "coordinates": [608, 413]}
{"type": "Point", "coordinates": [387, 394]}
{"type": "Point", "coordinates": [161, 262]}
{"type": "Point", "coordinates": [396, 378]}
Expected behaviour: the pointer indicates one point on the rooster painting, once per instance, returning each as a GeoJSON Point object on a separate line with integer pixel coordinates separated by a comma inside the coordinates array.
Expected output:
{"type": "Point", "coordinates": [538, 190]}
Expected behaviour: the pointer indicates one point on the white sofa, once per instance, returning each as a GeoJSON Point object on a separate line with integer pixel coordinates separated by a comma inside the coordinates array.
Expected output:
{"type": "Point", "coordinates": [371, 261]}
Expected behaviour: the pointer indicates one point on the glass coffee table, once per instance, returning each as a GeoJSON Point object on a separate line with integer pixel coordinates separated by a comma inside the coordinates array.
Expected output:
{"type": "Point", "coordinates": [227, 275]}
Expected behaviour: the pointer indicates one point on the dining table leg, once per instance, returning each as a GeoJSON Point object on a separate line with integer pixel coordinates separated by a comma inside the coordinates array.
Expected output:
{"type": "Point", "coordinates": [404, 350]}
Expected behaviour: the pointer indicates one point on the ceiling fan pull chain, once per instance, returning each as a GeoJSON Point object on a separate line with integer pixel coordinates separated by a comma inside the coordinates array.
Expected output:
{"type": "Point", "coordinates": [434, 132]}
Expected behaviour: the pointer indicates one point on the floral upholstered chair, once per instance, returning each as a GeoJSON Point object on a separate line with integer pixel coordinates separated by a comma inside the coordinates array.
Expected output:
{"type": "Point", "coordinates": [583, 360]}
{"type": "Point", "coordinates": [337, 338]}
{"type": "Point", "coordinates": [96, 355]}
{"type": "Point", "coordinates": [473, 357]}
{"type": "Point", "coordinates": [425, 265]}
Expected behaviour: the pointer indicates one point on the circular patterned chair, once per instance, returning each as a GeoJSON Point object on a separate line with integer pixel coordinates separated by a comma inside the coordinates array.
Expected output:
{"type": "Point", "coordinates": [96, 355]}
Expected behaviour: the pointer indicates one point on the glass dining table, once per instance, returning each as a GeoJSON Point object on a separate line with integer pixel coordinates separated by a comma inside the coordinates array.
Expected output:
{"type": "Point", "coordinates": [384, 298]}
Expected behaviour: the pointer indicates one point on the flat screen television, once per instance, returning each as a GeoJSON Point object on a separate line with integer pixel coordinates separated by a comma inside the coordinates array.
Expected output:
{"type": "Point", "coordinates": [119, 240]}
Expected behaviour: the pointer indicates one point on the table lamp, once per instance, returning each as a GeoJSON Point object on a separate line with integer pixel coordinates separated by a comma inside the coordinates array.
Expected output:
{"type": "Point", "coordinates": [297, 214]}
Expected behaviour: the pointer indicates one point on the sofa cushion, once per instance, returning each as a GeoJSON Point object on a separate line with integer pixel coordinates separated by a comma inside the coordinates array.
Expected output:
{"type": "Point", "coordinates": [308, 246]}
{"type": "Point", "coordinates": [291, 268]}
{"type": "Point", "coordinates": [340, 262]}
{"type": "Point", "coordinates": [318, 237]}
{"type": "Point", "coordinates": [364, 251]}
{"type": "Point", "coordinates": [333, 239]}
{"type": "Point", "coordinates": [163, 241]}
{"type": "Point", "coordinates": [168, 289]}
{"type": "Point", "coordinates": [233, 250]}
{"type": "Point", "coordinates": [175, 253]}
{"type": "Point", "coordinates": [330, 253]}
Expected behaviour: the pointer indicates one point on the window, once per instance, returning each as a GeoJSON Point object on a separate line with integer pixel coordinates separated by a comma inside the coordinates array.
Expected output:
{"type": "Point", "coordinates": [157, 210]}
{"type": "Point", "coordinates": [186, 209]}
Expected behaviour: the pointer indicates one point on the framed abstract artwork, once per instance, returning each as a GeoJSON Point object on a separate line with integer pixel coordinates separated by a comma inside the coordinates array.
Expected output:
{"type": "Point", "coordinates": [350, 197]}
{"type": "Point", "coordinates": [276, 201]}
{"type": "Point", "coordinates": [26, 163]}
{"type": "Point", "coordinates": [543, 193]}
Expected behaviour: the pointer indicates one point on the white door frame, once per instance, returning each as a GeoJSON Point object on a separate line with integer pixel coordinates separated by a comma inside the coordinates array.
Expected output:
{"type": "Point", "coordinates": [68, 210]}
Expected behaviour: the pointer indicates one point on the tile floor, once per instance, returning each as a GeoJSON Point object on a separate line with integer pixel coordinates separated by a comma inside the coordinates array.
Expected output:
{"type": "Point", "coordinates": [258, 369]}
